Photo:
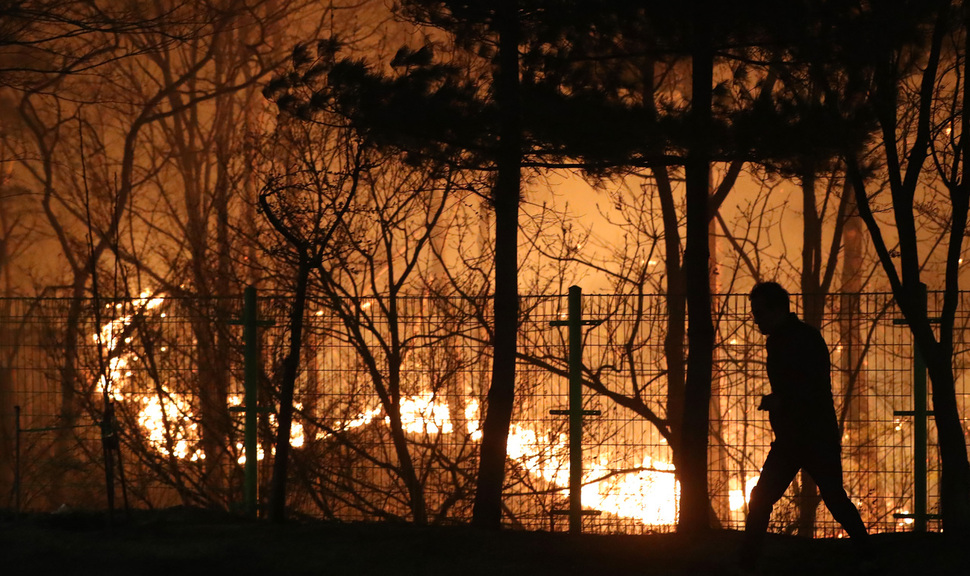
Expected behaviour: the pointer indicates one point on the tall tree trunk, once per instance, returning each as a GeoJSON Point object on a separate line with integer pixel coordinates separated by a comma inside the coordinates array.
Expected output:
{"type": "Point", "coordinates": [955, 477]}
{"type": "Point", "coordinates": [487, 510]}
{"type": "Point", "coordinates": [719, 475]}
{"type": "Point", "coordinates": [405, 465]}
{"type": "Point", "coordinates": [67, 412]}
{"type": "Point", "coordinates": [674, 349]}
{"type": "Point", "coordinates": [220, 424]}
{"type": "Point", "coordinates": [695, 503]}
{"type": "Point", "coordinates": [7, 402]}
{"type": "Point", "coordinates": [676, 296]}
{"type": "Point", "coordinates": [284, 417]}
{"type": "Point", "coordinates": [813, 308]}
{"type": "Point", "coordinates": [857, 397]}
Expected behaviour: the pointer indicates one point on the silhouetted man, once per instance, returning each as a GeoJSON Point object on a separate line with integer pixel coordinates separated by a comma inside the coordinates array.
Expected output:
{"type": "Point", "coordinates": [803, 419]}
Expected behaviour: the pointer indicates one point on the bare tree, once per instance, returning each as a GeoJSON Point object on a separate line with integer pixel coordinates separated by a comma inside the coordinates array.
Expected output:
{"type": "Point", "coordinates": [934, 131]}
{"type": "Point", "coordinates": [364, 225]}
{"type": "Point", "coordinates": [145, 154]}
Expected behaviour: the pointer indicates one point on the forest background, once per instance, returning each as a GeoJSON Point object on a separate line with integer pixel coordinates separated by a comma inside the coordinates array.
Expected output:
{"type": "Point", "coordinates": [350, 156]}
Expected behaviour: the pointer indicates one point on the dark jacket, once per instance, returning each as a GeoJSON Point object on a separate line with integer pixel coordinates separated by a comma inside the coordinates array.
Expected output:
{"type": "Point", "coordinates": [801, 408]}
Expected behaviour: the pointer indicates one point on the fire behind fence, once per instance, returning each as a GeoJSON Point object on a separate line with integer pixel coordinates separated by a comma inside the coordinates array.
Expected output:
{"type": "Point", "coordinates": [389, 406]}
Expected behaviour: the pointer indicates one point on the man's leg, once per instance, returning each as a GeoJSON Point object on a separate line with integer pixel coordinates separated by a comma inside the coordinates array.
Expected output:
{"type": "Point", "coordinates": [777, 473]}
{"type": "Point", "coordinates": [825, 467]}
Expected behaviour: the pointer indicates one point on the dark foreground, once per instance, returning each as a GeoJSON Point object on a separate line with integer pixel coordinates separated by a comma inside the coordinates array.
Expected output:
{"type": "Point", "coordinates": [189, 542]}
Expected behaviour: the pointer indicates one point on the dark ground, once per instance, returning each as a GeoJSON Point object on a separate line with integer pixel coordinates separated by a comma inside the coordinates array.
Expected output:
{"type": "Point", "coordinates": [185, 542]}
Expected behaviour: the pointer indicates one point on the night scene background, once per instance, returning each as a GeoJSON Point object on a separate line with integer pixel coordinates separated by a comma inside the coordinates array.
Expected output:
{"type": "Point", "coordinates": [431, 287]}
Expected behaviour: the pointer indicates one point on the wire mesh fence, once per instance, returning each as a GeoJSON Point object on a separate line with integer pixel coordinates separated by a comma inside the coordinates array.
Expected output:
{"type": "Point", "coordinates": [389, 405]}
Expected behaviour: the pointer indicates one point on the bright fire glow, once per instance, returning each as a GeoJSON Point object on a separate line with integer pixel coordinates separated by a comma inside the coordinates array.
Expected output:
{"type": "Point", "coordinates": [738, 498]}
{"type": "Point", "coordinates": [649, 495]}
{"type": "Point", "coordinates": [362, 419]}
{"type": "Point", "coordinates": [182, 431]}
{"type": "Point", "coordinates": [422, 415]}
{"type": "Point", "coordinates": [471, 418]}
{"type": "Point", "coordinates": [111, 333]}
{"type": "Point", "coordinates": [648, 492]}
{"type": "Point", "coordinates": [543, 455]}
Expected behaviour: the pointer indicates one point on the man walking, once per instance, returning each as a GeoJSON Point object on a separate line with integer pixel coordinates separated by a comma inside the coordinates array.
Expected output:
{"type": "Point", "coordinates": [802, 416]}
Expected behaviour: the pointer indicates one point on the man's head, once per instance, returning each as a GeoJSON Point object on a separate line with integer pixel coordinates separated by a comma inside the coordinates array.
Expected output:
{"type": "Point", "coordinates": [770, 305]}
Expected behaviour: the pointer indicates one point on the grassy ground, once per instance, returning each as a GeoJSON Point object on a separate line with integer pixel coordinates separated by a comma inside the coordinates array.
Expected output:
{"type": "Point", "coordinates": [188, 542]}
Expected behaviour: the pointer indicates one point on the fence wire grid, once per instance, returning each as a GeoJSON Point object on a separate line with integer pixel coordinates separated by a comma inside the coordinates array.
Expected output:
{"type": "Point", "coordinates": [389, 405]}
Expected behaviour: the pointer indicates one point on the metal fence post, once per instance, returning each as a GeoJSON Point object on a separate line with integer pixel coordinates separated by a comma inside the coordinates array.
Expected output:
{"type": "Point", "coordinates": [920, 415]}
{"type": "Point", "coordinates": [250, 323]}
{"type": "Point", "coordinates": [251, 377]}
{"type": "Point", "coordinates": [919, 426]}
{"type": "Point", "coordinates": [16, 462]}
{"type": "Point", "coordinates": [575, 411]}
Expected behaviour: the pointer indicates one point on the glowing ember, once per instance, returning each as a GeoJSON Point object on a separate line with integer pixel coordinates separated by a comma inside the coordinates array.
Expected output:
{"type": "Point", "coordinates": [362, 419]}
{"type": "Point", "coordinates": [471, 418]}
{"type": "Point", "coordinates": [738, 498]}
{"type": "Point", "coordinates": [297, 438]}
{"type": "Point", "coordinates": [110, 334]}
{"type": "Point", "coordinates": [422, 415]}
{"type": "Point", "coordinates": [543, 455]}
{"type": "Point", "coordinates": [182, 432]}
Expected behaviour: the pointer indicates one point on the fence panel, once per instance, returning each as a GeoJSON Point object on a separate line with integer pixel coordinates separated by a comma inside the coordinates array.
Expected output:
{"type": "Point", "coordinates": [389, 407]}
